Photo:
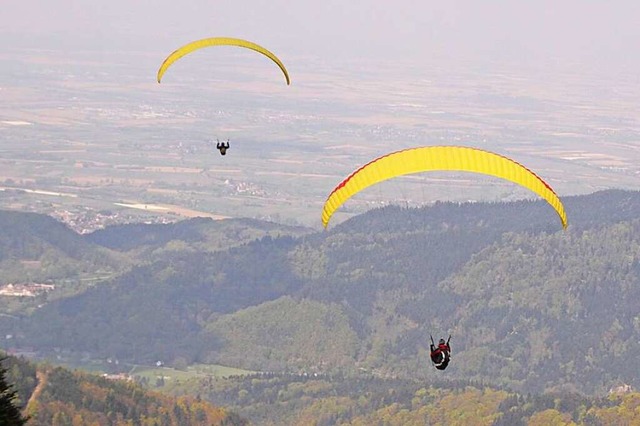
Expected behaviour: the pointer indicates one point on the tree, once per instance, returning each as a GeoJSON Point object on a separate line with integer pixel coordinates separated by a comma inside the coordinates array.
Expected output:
{"type": "Point", "coordinates": [10, 415]}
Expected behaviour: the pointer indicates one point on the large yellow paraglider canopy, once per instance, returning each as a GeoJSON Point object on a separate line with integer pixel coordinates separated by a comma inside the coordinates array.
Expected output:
{"type": "Point", "coordinates": [218, 41]}
{"type": "Point", "coordinates": [433, 158]}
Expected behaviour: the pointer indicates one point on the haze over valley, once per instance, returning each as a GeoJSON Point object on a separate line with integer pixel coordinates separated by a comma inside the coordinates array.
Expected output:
{"type": "Point", "coordinates": [147, 279]}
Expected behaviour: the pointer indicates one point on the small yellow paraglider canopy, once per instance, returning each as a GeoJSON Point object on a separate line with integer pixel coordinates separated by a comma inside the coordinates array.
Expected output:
{"type": "Point", "coordinates": [218, 41]}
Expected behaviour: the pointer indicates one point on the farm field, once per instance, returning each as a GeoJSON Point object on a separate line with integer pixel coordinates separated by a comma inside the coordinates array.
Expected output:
{"type": "Point", "coordinates": [102, 136]}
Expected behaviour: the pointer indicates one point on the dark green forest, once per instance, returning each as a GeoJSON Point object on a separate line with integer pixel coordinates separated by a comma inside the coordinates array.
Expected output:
{"type": "Point", "coordinates": [531, 308]}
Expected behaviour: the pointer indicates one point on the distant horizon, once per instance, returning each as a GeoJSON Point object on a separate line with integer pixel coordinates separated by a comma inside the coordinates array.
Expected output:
{"type": "Point", "coordinates": [573, 31]}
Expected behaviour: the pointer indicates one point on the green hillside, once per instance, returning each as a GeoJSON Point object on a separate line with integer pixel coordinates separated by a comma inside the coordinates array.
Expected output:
{"type": "Point", "coordinates": [38, 251]}
{"type": "Point", "coordinates": [288, 334]}
{"type": "Point", "coordinates": [198, 234]}
{"type": "Point", "coordinates": [308, 399]}
{"type": "Point", "coordinates": [530, 306]}
{"type": "Point", "coordinates": [56, 396]}
{"type": "Point", "coordinates": [37, 247]}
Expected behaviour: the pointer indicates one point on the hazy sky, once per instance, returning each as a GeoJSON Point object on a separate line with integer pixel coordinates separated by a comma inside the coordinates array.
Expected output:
{"type": "Point", "coordinates": [587, 31]}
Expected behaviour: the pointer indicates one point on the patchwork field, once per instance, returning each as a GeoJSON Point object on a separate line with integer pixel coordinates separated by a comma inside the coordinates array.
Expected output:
{"type": "Point", "coordinates": [85, 133]}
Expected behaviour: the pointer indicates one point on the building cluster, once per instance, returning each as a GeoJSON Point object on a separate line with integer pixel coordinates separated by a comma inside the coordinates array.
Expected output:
{"type": "Point", "coordinates": [85, 221]}
{"type": "Point", "coordinates": [25, 289]}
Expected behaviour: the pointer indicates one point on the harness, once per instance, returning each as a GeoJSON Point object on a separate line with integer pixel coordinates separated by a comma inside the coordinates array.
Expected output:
{"type": "Point", "coordinates": [440, 355]}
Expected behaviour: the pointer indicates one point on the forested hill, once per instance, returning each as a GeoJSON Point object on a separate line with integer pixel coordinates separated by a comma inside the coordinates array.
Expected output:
{"type": "Point", "coordinates": [28, 235]}
{"type": "Point", "coordinates": [37, 247]}
{"type": "Point", "coordinates": [206, 234]}
{"type": "Point", "coordinates": [326, 400]}
{"type": "Point", "coordinates": [56, 396]}
{"type": "Point", "coordinates": [599, 208]}
{"type": "Point", "coordinates": [530, 306]}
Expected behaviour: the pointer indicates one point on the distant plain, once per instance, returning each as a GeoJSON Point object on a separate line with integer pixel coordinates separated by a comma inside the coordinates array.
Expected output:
{"type": "Point", "coordinates": [95, 130]}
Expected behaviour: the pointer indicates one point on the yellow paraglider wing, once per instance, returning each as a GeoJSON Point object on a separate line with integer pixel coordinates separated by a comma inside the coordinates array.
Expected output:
{"type": "Point", "coordinates": [433, 158]}
{"type": "Point", "coordinates": [218, 41]}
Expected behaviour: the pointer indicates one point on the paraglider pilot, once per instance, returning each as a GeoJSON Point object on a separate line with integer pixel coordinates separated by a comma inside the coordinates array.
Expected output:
{"type": "Point", "coordinates": [222, 147]}
{"type": "Point", "coordinates": [441, 354]}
